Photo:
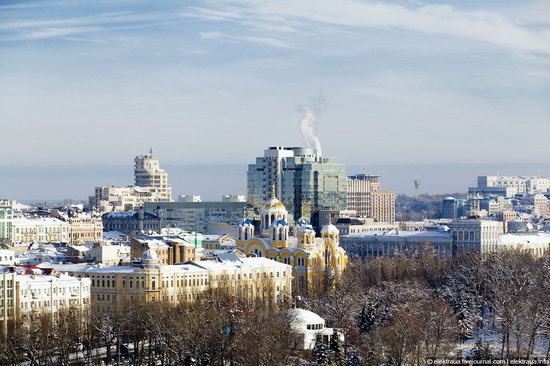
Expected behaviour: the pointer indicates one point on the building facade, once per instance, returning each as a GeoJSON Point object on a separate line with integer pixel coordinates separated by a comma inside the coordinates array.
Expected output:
{"type": "Point", "coordinates": [512, 184]}
{"type": "Point", "coordinates": [30, 292]}
{"type": "Point", "coordinates": [475, 236]}
{"type": "Point", "coordinates": [131, 222]}
{"type": "Point", "coordinates": [305, 182]}
{"type": "Point", "coordinates": [149, 281]}
{"type": "Point", "coordinates": [390, 243]}
{"type": "Point", "coordinates": [39, 230]}
{"type": "Point", "coordinates": [366, 197]}
{"type": "Point", "coordinates": [147, 173]}
{"type": "Point", "coordinates": [6, 217]}
{"type": "Point", "coordinates": [196, 216]}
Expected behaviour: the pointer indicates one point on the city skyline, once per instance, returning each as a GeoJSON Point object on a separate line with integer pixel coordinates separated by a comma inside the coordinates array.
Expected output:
{"type": "Point", "coordinates": [178, 76]}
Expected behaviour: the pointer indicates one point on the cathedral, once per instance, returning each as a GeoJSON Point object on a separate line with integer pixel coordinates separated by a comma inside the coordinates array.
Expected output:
{"type": "Point", "coordinates": [313, 260]}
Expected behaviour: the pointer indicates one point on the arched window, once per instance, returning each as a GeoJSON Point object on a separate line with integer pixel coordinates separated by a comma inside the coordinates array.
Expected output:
{"type": "Point", "coordinates": [153, 284]}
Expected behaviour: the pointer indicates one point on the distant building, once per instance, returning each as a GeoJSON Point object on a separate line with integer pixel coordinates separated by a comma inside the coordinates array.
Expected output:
{"type": "Point", "coordinates": [108, 199]}
{"type": "Point", "coordinates": [189, 198]}
{"type": "Point", "coordinates": [390, 243]}
{"type": "Point", "coordinates": [170, 250]}
{"type": "Point", "coordinates": [463, 236]}
{"type": "Point", "coordinates": [108, 254]}
{"type": "Point", "coordinates": [83, 227]}
{"type": "Point", "coordinates": [233, 198]}
{"type": "Point", "coordinates": [512, 185]}
{"type": "Point", "coordinates": [151, 185]}
{"type": "Point", "coordinates": [504, 217]}
{"type": "Point", "coordinates": [6, 217]}
{"type": "Point", "coordinates": [348, 222]}
{"type": "Point", "coordinates": [131, 222]}
{"type": "Point", "coordinates": [147, 173]}
{"type": "Point", "coordinates": [305, 181]}
{"type": "Point", "coordinates": [452, 208]}
{"type": "Point", "coordinates": [475, 236]}
{"type": "Point", "coordinates": [196, 216]}
{"type": "Point", "coordinates": [366, 197]}
{"type": "Point", "coordinates": [39, 230]}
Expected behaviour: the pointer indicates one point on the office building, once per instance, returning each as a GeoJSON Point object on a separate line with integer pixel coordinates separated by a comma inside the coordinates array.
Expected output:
{"type": "Point", "coordinates": [452, 208]}
{"type": "Point", "coordinates": [305, 182]}
{"type": "Point", "coordinates": [196, 216]}
{"type": "Point", "coordinates": [367, 198]}
{"type": "Point", "coordinates": [510, 185]}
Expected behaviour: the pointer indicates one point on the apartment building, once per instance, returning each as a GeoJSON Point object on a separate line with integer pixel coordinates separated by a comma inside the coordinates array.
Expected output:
{"type": "Point", "coordinates": [149, 281]}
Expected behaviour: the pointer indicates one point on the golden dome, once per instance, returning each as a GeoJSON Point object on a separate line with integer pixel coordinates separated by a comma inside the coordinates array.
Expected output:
{"type": "Point", "coordinates": [275, 204]}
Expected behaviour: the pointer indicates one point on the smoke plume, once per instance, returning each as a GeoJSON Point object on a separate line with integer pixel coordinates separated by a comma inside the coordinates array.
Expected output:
{"type": "Point", "coordinates": [308, 123]}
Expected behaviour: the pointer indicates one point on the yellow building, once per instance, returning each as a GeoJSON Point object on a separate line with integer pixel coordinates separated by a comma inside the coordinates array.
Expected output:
{"type": "Point", "coordinates": [313, 260]}
{"type": "Point", "coordinates": [149, 281]}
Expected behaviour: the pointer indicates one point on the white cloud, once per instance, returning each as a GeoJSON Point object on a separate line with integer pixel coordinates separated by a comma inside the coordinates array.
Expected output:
{"type": "Point", "coordinates": [482, 26]}
{"type": "Point", "coordinates": [266, 41]}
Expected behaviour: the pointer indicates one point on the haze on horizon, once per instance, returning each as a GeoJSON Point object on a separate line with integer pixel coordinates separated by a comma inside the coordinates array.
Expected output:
{"type": "Point", "coordinates": [209, 82]}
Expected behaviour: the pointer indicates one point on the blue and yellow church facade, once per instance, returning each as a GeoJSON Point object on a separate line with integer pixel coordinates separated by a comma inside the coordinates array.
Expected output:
{"type": "Point", "coordinates": [314, 260]}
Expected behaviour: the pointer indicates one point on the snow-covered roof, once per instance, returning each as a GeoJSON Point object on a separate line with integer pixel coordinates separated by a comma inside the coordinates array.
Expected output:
{"type": "Point", "coordinates": [395, 234]}
{"type": "Point", "coordinates": [525, 239]}
{"type": "Point", "coordinates": [301, 316]}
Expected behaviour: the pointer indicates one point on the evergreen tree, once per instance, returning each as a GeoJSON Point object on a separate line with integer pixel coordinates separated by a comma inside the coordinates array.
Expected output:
{"type": "Point", "coordinates": [367, 317]}
{"type": "Point", "coordinates": [321, 353]}
{"type": "Point", "coordinates": [353, 359]}
{"type": "Point", "coordinates": [336, 349]}
{"type": "Point", "coordinates": [481, 350]}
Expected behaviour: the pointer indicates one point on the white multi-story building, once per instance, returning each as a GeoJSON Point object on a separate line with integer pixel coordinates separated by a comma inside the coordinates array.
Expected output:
{"type": "Point", "coordinates": [147, 173]}
{"type": "Point", "coordinates": [108, 199]}
{"type": "Point", "coordinates": [233, 198]}
{"type": "Point", "coordinates": [39, 230]}
{"type": "Point", "coordinates": [189, 198]}
{"type": "Point", "coordinates": [512, 184]}
{"type": "Point", "coordinates": [472, 235]}
{"type": "Point", "coordinates": [32, 293]}
{"type": "Point", "coordinates": [151, 185]}
{"type": "Point", "coordinates": [39, 293]}
{"type": "Point", "coordinates": [6, 217]}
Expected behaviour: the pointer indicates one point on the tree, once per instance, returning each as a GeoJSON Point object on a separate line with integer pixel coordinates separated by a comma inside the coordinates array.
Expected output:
{"type": "Point", "coordinates": [321, 352]}
{"type": "Point", "coordinates": [481, 350]}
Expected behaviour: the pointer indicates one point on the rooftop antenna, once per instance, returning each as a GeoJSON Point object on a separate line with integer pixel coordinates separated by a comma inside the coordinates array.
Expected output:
{"type": "Point", "coordinates": [416, 187]}
{"type": "Point", "coordinates": [151, 152]}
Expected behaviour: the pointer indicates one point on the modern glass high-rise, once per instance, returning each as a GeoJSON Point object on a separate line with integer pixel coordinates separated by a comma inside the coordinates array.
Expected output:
{"type": "Point", "coordinates": [304, 181]}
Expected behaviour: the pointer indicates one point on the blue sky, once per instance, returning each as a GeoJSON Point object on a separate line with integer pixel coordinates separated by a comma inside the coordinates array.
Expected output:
{"type": "Point", "coordinates": [218, 81]}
